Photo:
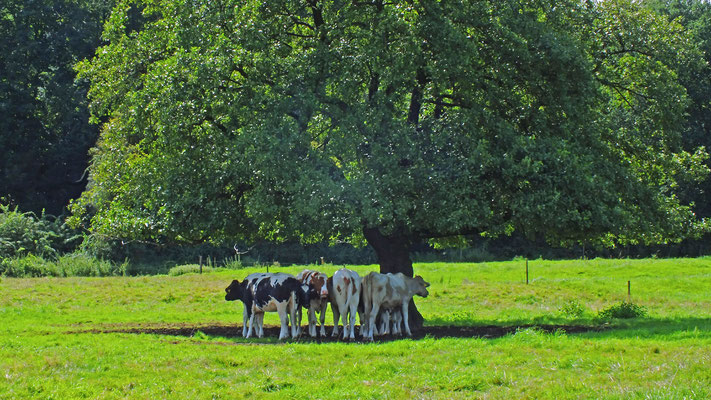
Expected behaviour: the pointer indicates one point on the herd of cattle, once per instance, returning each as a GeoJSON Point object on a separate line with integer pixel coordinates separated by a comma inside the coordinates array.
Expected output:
{"type": "Point", "coordinates": [376, 298]}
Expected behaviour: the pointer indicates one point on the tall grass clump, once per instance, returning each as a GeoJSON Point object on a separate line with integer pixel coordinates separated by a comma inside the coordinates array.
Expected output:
{"type": "Point", "coordinates": [80, 264]}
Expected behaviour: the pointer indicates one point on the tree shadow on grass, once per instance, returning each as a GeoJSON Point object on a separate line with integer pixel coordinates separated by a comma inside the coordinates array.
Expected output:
{"type": "Point", "coordinates": [658, 328]}
{"type": "Point", "coordinates": [634, 328]}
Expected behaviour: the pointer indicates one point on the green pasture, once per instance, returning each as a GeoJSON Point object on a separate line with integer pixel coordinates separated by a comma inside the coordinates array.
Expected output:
{"type": "Point", "coordinates": [50, 348]}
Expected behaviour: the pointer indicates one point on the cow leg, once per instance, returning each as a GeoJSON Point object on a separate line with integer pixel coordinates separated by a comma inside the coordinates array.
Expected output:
{"type": "Point", "coordinates": [385, 322]}
{"type": "Point", "coordinates": [284, 318]}
{"type": "Point", "coordinates": [322, 318]}
{"type": "Point", "coordinates": [386, 327]}
{"type": "Point", "coordinates": [312, 320]}
{"type": "Point", "coordinates": [298, 320]}
{"type": "Point", "coordinates": [372, 329]}
{"type": "Point", "coordinates": [292, 311]}
{"type": "Point", "coordinates": [261, 325]}
{"type": "Point", "coordinates": [375, 327]}
{"type": "Point", "coordinates": [405, 306]}
{"type": "Point", "coordinates": [344, 317]}
{"type": "Point", "coordinates": [361, 318]}
{"type": "Point", "coordinates": [365, 317]}
{"type": "Point", "coordinates": [397, 324]}
{"type": "Point", "coordinates": [336, 317]}
{"type": "Point", "coordinates": [245, 320]}
{"type": "Point", "coordinates": [252, 322]}
{"type": "Point", "coordinates": [259, 319]}
{"type": "Point", "coordinates": [353, 309]}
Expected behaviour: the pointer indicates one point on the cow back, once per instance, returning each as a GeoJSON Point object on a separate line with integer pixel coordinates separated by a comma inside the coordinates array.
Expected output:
{"type": "Point", "coordinates": [269, 289]}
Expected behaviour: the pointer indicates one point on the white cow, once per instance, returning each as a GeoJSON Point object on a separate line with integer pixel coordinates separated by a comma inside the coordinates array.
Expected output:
{"type": "Point", "coordinates": [389, 291]}
{"type": "Point", "coordinates": [344, 291]}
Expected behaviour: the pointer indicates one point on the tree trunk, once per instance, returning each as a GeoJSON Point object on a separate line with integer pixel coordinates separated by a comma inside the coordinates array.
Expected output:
{"type": "Point", "coordinates": [393, 254]}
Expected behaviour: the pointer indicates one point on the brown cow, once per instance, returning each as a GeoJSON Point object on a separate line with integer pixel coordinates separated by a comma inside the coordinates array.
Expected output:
{"type": "Point", "coordinates": [319, 299]}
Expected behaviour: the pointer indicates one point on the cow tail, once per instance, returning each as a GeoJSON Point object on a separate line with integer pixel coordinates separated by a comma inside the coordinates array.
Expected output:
{"type": "Point", "coordinates": [292, 308]}
{"type": "Point", "coordinates": [367, 296]}
{"type": "Point", "coordinates": [358, 288]}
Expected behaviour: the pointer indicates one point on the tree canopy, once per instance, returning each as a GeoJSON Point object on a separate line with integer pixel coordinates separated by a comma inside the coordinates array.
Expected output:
{"type": "Point", "coordinates": [695, 16]}
{"type": "Point", "coordinates": [389, 122]}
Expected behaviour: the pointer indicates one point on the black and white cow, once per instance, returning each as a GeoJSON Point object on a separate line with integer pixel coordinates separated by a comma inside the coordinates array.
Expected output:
{"type": "Point", "coordinates": [268, 292]}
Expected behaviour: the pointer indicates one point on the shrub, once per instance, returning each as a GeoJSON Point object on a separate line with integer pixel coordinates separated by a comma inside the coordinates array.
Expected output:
{"type": "Point", "coordinates": [28, 267]}
{"type": "Point", "coordinates": [32, 266]}
{"type": "Point", "coordinates": [79, 264]}
{"type": "Point", "coordinates": [25, 233]}
{"type": "Point", "coordinates": [623, 310]}
{"type": "Point", "coordinates": [233, 263]}
{"type": "Point", "coordinates": [188, 269]}
{"type": "Point", "coordinates": [21, 234]}
{"type": "Point", "coordinates": [572, 309]}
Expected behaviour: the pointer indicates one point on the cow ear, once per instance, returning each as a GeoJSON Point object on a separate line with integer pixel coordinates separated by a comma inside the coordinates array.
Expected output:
{"type": "Point", "coordinates": [418, 277]}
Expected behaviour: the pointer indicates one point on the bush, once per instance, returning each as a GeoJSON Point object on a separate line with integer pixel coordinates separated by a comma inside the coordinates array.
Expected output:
{"type": "Point", "coordinates": [572, 309]}
{"type": "Point", "coordinates": [28, 267]}
{"type": "Point", "coordinates": [79, 264]}
{"type": "Point", "coordinates": [32, 266]}
{"type": "Point", "coordinates": [22, 234]}
{"type": "Point", "coordinates": [623, 310]}
{"type": "Point", "coordinates": [188, 269]}
{"type": "Point", "coordinates": [233, 263]}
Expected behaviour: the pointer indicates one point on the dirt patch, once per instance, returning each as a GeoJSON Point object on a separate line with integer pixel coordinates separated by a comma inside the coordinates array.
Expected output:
{"type": "Point", "coordinates": [436, 332]}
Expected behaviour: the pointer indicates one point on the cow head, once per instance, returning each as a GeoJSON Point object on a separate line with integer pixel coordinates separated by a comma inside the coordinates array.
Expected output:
{"type": "Point", "coordinates": [419, 286]}
{"type": "Point", "coordinates": [317, 281]}
{"type": "Point", "coordinates": [234, 291]}
{"type": "Point", "coordinates": [320, 286]}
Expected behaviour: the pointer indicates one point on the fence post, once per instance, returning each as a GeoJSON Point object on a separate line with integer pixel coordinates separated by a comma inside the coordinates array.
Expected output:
{"type": "Point", "coordinates": [629, 292]}
{"type": "Point", "coordinates": [527, 271]}
{"type": "Point", "coordinates": [200, 262]}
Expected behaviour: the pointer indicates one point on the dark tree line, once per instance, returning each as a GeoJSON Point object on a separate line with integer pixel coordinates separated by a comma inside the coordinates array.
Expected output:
{"type": "Point", "coordinates": [45, 134]}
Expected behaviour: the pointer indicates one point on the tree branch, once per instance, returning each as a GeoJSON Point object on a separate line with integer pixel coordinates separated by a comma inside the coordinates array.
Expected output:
{"type": "Point", "coordinates": [413, 115]}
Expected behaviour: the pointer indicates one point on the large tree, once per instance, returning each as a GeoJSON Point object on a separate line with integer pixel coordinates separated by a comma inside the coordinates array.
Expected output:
{"type": "Point", "coordinates": [389, 122]}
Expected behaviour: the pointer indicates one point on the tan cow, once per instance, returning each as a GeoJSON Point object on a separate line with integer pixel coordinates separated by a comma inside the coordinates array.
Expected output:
{"type": "Point", "coordinates": [389, 291]}
{"type": "Point", "coordinates": [318, 299]}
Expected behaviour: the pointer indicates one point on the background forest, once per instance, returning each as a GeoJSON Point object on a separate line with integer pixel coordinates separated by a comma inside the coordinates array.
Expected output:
{"type": "Point", "coordinates": [46, 136]}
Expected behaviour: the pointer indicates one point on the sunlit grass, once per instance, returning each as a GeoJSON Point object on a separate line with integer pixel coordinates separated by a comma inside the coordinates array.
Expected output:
{"type": "Point", "coordinates": [46, 351]}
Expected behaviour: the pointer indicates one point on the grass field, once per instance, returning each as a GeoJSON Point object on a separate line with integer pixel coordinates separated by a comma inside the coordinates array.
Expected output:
{"type": "Point", "coordinates": [51, 345]}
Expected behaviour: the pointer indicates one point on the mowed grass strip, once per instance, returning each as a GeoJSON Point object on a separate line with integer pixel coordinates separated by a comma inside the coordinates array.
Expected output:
{"type": "Point", "coordinates": [46, 350]}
